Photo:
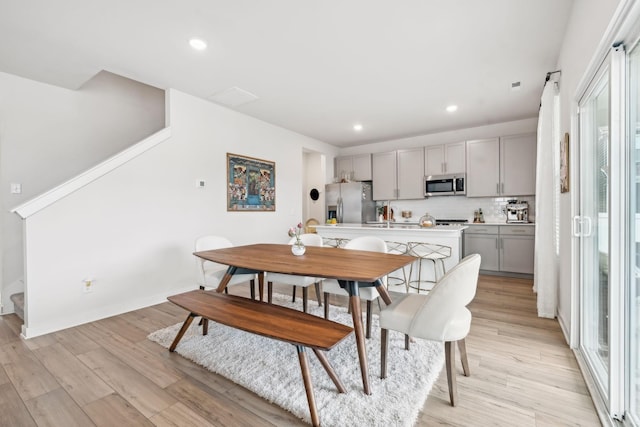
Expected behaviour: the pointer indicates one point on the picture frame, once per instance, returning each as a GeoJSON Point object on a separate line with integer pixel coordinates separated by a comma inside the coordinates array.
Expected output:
{"type": "Point", "coordinates": [251, 184]}
{"type": "Point", "coordinates": [564, 164]}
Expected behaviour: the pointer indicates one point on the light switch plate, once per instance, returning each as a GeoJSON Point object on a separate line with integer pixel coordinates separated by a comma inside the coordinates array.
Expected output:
{"type": "Point", "coordinates": [16, 188]}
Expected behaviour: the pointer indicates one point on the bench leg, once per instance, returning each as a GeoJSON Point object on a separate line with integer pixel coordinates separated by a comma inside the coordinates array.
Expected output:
{"type": "Point", "coordinates": [305, 298]}
{"type": "Point", "coordinates": [181, 332]}
{"type": "Point", "coordinates": [327, 367]}
{"type": "Point", "coordinates": [306, 377]}
{"type": "Point", "coordinates": [269, 292]}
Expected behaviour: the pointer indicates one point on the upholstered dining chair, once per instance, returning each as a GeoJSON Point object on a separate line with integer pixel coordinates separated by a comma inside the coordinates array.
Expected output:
{"type": "Point", "coordinates": [369, 294]}
{"type": "Point", "coordinates": [303, 281]}
{"type": "Point", "coordinates": [209, 274]}
{"type": "Point", "coordinates": [441, 315]}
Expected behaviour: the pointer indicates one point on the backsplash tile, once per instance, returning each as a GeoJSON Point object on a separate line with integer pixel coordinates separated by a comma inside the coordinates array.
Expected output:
{"type": "Point", "coordinates": [458, 207]}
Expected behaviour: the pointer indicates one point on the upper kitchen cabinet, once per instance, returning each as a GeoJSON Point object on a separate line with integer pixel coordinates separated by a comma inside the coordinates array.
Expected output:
{"type": "Point", "coordinates": [445, 159]}
{"type": "Point", "coordinates": [503, 166]}
{"type": "Point", "coordinates": [398, 175]}
{"type": "Point", "coordinates": [356, 167]}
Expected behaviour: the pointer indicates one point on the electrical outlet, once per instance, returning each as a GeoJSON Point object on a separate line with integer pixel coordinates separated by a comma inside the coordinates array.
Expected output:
{"type": "Point", "coordinates": [87, 285]}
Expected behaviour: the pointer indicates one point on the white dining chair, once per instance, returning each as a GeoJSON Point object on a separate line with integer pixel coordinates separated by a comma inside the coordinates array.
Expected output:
{"type": "Point", "coordinates": [441, 315]}
{"type": "Point", "coordinates": [303, 281]}
{"type": "Point", "coordinates": [210, 274]}
{"type": "Point", "coordinates": [369, 293]}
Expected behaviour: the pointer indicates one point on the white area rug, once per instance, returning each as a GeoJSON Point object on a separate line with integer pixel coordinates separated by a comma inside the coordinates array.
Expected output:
{"type": "Point", "coordinates": [271, 369]}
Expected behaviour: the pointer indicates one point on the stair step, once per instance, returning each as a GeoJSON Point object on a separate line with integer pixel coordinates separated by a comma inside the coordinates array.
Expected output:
{"type": "Point", "coordinates": [18, 304]}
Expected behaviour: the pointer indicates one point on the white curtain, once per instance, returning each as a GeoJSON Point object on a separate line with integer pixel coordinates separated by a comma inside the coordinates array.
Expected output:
{"type": "Point", "coordinates": [545, 281]}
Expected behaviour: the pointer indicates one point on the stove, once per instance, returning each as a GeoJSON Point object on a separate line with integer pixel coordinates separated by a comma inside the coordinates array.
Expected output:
{"type": "Point", "coordinates": [451, 221]}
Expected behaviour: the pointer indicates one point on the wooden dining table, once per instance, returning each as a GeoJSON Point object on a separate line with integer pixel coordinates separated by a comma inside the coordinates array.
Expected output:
{"type": "Point", "coordinates": [353, 269]}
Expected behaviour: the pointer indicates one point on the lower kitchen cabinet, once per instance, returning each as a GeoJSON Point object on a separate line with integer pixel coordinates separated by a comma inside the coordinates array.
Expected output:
{"type": "Point", "coordinates": [503, 248]}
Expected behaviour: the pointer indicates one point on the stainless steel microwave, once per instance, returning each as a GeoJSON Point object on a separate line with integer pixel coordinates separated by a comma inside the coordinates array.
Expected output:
{"type": "Point", "coordinates": [445, 185]}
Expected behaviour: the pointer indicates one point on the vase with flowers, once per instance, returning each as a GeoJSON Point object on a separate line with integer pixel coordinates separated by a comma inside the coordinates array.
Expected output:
{"type": "Point", "coordinates": [297, 247]}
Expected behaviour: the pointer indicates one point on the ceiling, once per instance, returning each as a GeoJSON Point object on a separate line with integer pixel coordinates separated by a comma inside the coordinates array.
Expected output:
{"type": "Point", "coordinates": [317, 67]}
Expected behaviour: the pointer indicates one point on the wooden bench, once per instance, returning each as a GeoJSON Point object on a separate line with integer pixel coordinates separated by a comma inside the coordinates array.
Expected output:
{"type": "Point", "coordinates": [300, 329]}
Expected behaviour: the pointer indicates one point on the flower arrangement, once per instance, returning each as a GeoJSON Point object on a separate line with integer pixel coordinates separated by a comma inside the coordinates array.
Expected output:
{"type": "Point", "coordinates": [295, 232]}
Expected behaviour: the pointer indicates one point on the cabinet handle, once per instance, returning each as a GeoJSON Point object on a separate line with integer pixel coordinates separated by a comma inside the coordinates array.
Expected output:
{"type": "Point", "coordinates": [497, 246]}
{"type": "Point", "coordinates": [497, 188]}
{"type": "Point", "coordinates": [502, 188]}
{"type": "Point", "coordinates": [444, 167]}
{"type": "Point", "coordinates": [518, 230]}
{"type": "Point", "coordinates": [481, 229]}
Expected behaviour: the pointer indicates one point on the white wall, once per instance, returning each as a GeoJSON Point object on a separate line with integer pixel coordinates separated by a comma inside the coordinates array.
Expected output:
{"type": "Point", "coordinates": [49, 134]}
{"type": "Point", "coordinates": [587, 25]}
{"type": "Point", "coordinates": [132, 231]}
{"type": "Point", "coordinates": [314, 168]}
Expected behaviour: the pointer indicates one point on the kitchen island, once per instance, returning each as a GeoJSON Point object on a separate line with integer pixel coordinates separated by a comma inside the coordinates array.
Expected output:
{"type": "Point", "coordinates": [448, 235]}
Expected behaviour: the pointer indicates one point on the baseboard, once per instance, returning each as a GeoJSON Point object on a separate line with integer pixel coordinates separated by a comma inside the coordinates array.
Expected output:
{"type": "Point", "coordinates": [601, 408]}
{"type": "Point", "coordinates": [109, 311]}
{"type": "Point", "coordinates": [566, 330]}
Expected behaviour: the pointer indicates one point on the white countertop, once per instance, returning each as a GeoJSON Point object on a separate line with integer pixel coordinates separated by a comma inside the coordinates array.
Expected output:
{"type": "Point", "coordinates": [501, 223]}
{"type": "Point", "coordinates": [395, 226]}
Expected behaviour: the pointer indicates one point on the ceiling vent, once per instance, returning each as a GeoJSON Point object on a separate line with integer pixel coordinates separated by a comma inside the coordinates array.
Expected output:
{"type": "Point", "coordinates": [515, 86]}
{"type": "Point", "coordinates": [233, 97]}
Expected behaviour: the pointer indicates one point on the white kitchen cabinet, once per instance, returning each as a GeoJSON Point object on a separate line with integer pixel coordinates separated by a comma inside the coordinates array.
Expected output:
{"type": "Point", "coordinates": [504, 248]}
{"type": "Point", "coordinates": [398, 175]}
{"type": "Point", "coordinates": [501, 167]}
{"type": "Point", "coordinates": [357, 167]}
{"type": "Point", "coordinates": [483, 240]}
{"type": "Point", "coordinates": [518, 165]}
{"type": "Point", "coordinates": [445, 159]}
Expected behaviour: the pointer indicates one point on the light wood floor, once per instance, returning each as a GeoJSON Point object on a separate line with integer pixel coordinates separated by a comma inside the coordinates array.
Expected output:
{"type": "Point", "coordinates": [107, 373]}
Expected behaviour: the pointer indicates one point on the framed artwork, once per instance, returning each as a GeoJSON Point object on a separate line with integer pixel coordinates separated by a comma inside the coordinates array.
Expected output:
{"type": "Point", "coordinates": [564, 164]}
{"type": "Point", "coordinates": [251, 184]}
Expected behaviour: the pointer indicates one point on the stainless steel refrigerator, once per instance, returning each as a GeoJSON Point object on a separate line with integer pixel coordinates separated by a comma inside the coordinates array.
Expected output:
{"type": "Point", "coordinates": [350, 202]}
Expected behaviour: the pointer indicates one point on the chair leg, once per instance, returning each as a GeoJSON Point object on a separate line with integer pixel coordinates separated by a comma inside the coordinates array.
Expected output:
{"type": "Point", "coordinates": [293, 298]}
{"type": "Point", "coordinates": [462, 346]}
{"type": "Point", "coordinates": [326, 305]}
{"type": "Point", "coordinates": [305, 298]}
{"type": "Point", "coordinates": [318, 293]}
{"type": "Point", "coordinates": [384, 346]}
{"type": "Point", "coordinates": [269, 292]}
{"type": "Point", "coordinates": [406, 341]}
{"type": "Point", "coordinates": [450, 355]}
{"type": "Point", "coordinates": [253, 289]}
{"type": "Point", "coordinates": [368, 333]}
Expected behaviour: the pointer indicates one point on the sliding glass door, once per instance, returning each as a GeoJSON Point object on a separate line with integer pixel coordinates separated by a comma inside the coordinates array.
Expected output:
{"type": "Point", "coordinates": [594, 228]}
{"type": "Point", "coordinates": [633, 292]}
{"type": "Point", "coordinates": [608, 227]}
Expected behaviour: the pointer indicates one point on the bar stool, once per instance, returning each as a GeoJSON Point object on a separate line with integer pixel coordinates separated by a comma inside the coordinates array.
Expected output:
{"type": "Point", "coordinates": [334, 242]}
{"type": "Point", "coordinates": [431, 252]}
{"type": "Point", "coordinates": [393, 279]}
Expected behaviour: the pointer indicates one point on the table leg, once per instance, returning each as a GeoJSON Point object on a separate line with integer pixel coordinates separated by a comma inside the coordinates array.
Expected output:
{"type": "Point", "coordinates": [181, 332]}
{"type": "Point", "coordinates": [356, 314]}
{"type": "Point", "coordinates": [226, 278]}
{"type": "Point", "coordinates": [261, 284]}
{"type": "Point", "coordinates": [306, 377]}
{"type": "Point", "coordinates": [383, 292]}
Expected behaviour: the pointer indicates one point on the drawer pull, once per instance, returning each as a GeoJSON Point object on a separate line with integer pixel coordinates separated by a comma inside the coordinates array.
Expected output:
{"type": "Point", "coordinates": [515, 230]}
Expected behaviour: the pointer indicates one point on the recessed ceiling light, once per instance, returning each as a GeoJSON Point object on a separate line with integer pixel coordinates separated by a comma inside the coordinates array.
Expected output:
{"type": "Point", "coordinates": [198, 44]}
{"type": "Point", "coordinates": [357, 127]}
{"type": "Point", "coordinates": [452, 108]}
